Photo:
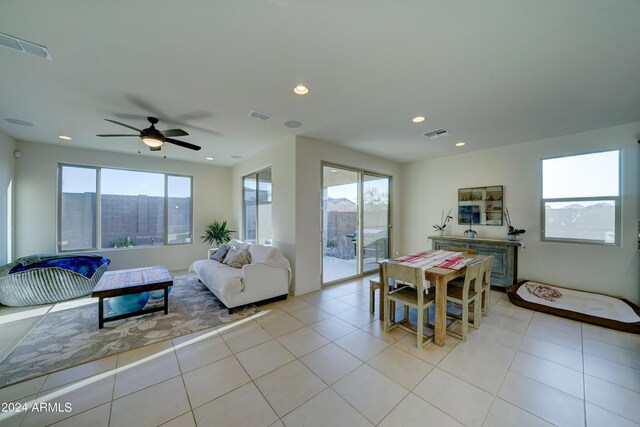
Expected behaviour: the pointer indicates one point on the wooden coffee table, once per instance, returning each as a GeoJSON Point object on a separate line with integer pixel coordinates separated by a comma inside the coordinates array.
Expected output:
{"type": "Point", "coordinates": [126, 282]}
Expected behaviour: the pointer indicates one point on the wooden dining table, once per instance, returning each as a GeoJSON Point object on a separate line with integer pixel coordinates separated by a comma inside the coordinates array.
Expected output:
{"type": "Point", "coordinates": [440, 278]}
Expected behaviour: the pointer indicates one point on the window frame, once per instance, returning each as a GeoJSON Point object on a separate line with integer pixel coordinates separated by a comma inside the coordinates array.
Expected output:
{"type": "Point", "coordinates": [98, 211]}
{"type": "Point", "coordinates": [254, 174]}
{"type": "Point", "coordinates": [617, 199]}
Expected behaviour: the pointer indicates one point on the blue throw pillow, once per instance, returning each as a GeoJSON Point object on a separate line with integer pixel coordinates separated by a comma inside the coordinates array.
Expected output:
{"type": "Point", "coordinates": [220, 253]}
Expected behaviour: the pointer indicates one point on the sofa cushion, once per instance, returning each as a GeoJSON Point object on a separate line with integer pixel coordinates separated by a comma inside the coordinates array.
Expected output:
{"type": "Point", "coordinates": [220, 253]}
{"type": "Point", "coordinates": [268, 255]}
{"type": "Point", "coordinates": [264, 254]}
{"type": "Point", "coordinates": [236, 258]}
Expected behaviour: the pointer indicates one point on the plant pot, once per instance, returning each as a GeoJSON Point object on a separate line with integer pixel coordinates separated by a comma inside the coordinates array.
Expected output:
{"type": "Point", "coordinates": [512, 236]}
{"type": "Point", "coordinates": [439, 232]}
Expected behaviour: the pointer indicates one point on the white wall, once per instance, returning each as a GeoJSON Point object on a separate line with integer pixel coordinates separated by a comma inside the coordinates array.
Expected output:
{"type": "Point", "coordinates": [431, 185]}
{"type": "Point", "coordinates": [281, 159]}
{"type": "Point", "coordinates": [36, 199]}
{"type": "Point", "coordinates": [7, 162]}
{"type": "Point", "coordinates": [310, 153]}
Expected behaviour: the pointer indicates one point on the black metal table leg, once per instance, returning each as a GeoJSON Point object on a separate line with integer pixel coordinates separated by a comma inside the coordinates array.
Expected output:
{"type": "Point", "coordinates": [166, 300]}
{"type": "Point", "coordinates": [101, 313]}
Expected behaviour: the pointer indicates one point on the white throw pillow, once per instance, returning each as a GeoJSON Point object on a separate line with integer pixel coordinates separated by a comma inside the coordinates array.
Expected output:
{"type": "Point", "coordinates": [239, 244]}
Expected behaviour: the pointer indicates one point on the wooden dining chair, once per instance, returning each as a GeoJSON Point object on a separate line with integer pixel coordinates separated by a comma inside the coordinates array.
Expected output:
{"type": "Point", "coordinates": [470, 293]}
{"type": "Point", "coordinates": [412, 295]}
{"type": "Point", "coordinates": [459, 281]}
{"type": "Point", "coordinates": [373, 285]}
{"type": "Point", "coordinates": [486, 285]}
{"type": "Point", "coordinates": [464, 250]}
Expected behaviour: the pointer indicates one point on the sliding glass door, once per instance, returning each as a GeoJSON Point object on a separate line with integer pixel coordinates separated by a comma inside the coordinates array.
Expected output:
{"type": "Point", "coordinates": [355, 222]}
{"type": "Point", "coordinates": [340, 201]}
{"type": "Point", "coordinates": [376, 223]}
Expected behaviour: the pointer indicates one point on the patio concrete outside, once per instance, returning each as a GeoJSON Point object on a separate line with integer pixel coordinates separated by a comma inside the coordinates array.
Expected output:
{"type": "Point", "coordinates": [335, 268]}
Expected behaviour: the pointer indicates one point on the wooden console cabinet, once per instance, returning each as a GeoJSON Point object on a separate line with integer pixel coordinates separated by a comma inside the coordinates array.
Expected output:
{"type": "Point", "coordinates": [505, 255]}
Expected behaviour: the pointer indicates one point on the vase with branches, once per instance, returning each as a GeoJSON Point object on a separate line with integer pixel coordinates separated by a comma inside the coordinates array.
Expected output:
{"type": "Point", "coordinates": [217, 232]}
{"type": "Point", "coordinates": [444, 220]}
{"type": "Point", "coordinates": [513, 232]}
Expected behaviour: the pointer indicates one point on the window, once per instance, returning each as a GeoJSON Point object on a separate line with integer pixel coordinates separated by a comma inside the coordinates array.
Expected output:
{"type": "Point", "coordinates": [179, 209]}
{"type": "Point", "coordinates": [77, 208]}
{"type": "Point", "coordinates": [135, 208]}
{"type": "Point", "coordinates": [581, 198]}
{"type": "Point", "coordinates": [256, 204]}
{"type": "Point", "coordinates": [131, 208]}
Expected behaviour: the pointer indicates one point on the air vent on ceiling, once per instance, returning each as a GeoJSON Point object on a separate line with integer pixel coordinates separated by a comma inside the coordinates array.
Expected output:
{"type": "Point", "coordinates": [24, 46]}
{"type": "Point", "coordinates": [260, 115]}
{"type": "Point", "coordinates": [437, 134]}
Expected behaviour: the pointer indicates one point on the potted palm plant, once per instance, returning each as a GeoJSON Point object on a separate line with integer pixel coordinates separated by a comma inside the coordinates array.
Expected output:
{"type": "Point", "coordinates": [217, 232]}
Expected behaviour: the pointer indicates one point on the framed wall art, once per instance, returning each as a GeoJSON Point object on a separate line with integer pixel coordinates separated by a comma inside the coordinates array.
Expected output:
{"type": "Point", "coordinates": [481, 205]}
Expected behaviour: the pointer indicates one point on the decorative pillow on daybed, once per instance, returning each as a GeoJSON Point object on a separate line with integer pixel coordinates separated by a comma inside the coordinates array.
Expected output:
{"type": "Point", "coordinates": [44, 279]}
{"type": "Point", "coordinates": [236, 258]}
{"type": "Point", "coordinates": [220, 253]}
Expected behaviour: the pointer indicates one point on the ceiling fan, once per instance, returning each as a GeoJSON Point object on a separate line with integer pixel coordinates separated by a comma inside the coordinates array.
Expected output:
{"type": "Point", "coordinates": [155, 138]}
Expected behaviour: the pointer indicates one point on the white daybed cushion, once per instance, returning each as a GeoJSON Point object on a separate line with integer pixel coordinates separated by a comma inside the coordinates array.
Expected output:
{"type": "Point", "coordinates": [220, 277]}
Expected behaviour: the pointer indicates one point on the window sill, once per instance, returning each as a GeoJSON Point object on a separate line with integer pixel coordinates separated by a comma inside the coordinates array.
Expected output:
{"type": "Point", "coordinates": [85, 251]}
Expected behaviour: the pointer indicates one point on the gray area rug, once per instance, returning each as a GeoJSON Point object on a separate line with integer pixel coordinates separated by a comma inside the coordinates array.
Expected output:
{"type": "Point", "coordinates": [68, 334]}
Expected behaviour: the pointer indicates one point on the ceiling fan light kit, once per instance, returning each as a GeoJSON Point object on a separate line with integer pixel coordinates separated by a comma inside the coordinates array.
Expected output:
{"type": "Point", "coordinates": [152, 141]}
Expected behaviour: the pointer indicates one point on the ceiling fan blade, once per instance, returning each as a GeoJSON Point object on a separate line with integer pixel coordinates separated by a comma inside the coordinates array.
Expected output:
{"type": "Point", "coordinates": [122, 124]}
{"type": "Point", "coordinates": [147, 106]}
{"type": "Point", "coordinates": [173, 132]}
{"type": "Point", "coordinates": [196, 115]}
{"type": "Point", "coordinates": [182, 144]}
{"type": "Point", "coordinates": [127, 116]}
{"type": "Point", "coordinates": [201, 129]}
{"type": "Point", "coordinates": [118, 134]}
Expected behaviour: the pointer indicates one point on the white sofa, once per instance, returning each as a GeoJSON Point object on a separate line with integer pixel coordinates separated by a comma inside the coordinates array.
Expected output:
{"type": "Point", "coordinates": [266, 277]}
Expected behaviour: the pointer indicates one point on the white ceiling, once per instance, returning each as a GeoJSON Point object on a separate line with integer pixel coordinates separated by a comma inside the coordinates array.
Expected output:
{"type": "Point", "coordinates": [491, 72]}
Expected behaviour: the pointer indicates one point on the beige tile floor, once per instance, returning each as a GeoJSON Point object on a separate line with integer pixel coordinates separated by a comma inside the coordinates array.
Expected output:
{"type": "Point", "coordinates": [323, 360]}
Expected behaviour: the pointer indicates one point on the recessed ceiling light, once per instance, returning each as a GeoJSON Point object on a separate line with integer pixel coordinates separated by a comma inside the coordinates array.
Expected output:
{"type": "Point", "coordinates": [460, 144]}
{"type": "Point", "coordinates": [19, 122]}
{"type": "Point", "coordinates": [209, 158]}
{"type": "Point", "coordinates": [236, 157]}
{"type": "Point", "coordinates": [292, 124]}
{"type": "Point", "coordinates": [301, 89]}
{"type": "Point", "coordinates": [65, 137]}
{"type": "Point", "coordinates": [333, 170]}
{"type": "Point", "coordinates": [418, 119]}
